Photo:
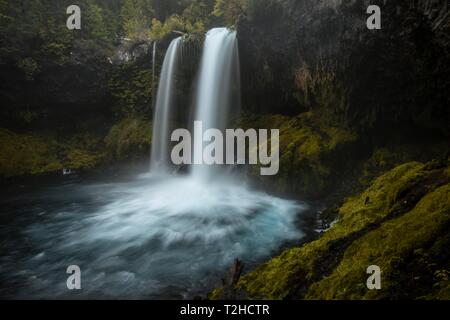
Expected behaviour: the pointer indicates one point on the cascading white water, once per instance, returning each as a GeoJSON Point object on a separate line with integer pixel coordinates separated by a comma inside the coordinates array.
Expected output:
{"type": "Point", "coordinates": [155, 43]}
{"type": "Point", "coordinates": [164, 103]}
{"type": "Point", "coordinates": [219, 83]}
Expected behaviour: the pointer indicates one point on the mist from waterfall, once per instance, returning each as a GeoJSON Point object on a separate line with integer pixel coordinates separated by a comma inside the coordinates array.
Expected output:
{"type": "Point", "coordinates": [218, 90]}
{"type": "Point", "coordinates": [163, 109]}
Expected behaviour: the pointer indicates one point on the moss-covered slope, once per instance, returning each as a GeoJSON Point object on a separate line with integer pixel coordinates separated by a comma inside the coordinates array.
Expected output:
{"type": "Point", "coordinates": [400, 223]}
{"type": "Point", "coordinates": [33, 153]}
{"type": "Point", "coordinates": [29, 154]}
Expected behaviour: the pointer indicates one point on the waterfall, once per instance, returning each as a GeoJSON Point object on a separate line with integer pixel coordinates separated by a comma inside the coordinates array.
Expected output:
{"type": "Point", "coordinates": [163, 108]}
{"type": "Point", "coordinates": [155, 43]}
{"type": "Point", "coordinates": [218, 87]}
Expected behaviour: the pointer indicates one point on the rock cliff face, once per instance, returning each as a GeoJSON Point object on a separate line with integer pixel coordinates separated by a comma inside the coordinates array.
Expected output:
{"type": "Point", "coordinates": [131, 50]}
{"type": "Point", "coordinates": [320, 56]}
{"type": "Point", "coordinates": [380, 87]}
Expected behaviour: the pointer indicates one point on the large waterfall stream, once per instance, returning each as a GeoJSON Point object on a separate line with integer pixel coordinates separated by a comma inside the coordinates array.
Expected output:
{"type": "Point", "coordinates": [219, 82]}
{"type": "Point", "coordinates": [154, 236]}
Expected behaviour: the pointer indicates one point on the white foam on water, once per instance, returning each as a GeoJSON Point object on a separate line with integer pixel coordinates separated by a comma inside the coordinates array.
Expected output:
{"type": "Point", "coordinates": [153, 237]}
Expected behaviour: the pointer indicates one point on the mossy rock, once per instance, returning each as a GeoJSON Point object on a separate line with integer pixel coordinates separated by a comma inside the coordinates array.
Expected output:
{"type": "Point", "coordinates": [30, 154]}
{"type": "Point", "coordinates": [129, 139]}
{"type": "Point", "coordinates": [312, 152]}
{"type": "Point", "coordinates": [388, 157]}
{"type": "Point", "coordinates": [404, 211]}
{"type": "Point", "coordinates": [27, 154]}
{"type": "Point", "coordinates": [387, 246]}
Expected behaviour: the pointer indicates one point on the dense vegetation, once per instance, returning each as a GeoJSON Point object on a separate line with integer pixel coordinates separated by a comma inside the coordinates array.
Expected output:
{"type": "Point", "coordinates": [353, 106]}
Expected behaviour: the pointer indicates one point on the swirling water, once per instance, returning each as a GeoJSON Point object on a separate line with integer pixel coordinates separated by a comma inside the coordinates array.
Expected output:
{"type": "Point", "coordinates": [144, 238]}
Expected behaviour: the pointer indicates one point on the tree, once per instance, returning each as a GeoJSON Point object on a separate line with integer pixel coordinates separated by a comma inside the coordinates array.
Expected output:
{"type": "Point", "coordinates": [136, 16]}
{"type": "Point", "coordinates": [231, 10]}
{"type": "Point", "coordinates": [94, 22]}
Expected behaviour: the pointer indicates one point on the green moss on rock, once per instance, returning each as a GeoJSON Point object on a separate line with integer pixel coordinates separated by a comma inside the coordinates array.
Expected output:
{"type": "Point", "coordinates": [34, 154]}
{"type": "Point", "coordinates": [387, 246]}
{"type": "Point", "coordinates": [404, 211]}
{"type": "Point", "coordinates": [129, 139]}
{"type": "Point", "coordinates": [216, 294]}
{"type": "Point", "coordinates": [388, 157]}
{"type": "Point", "coordinates": [26, 154]}
{"type": "Point", "coordinates": [312, 151]}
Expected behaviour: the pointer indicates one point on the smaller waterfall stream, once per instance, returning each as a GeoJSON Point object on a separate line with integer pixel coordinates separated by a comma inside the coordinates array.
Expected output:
{"type": "Point", "coordinates": [163, 108]}
{"type": "Point", "coordinates": [155, 44]}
